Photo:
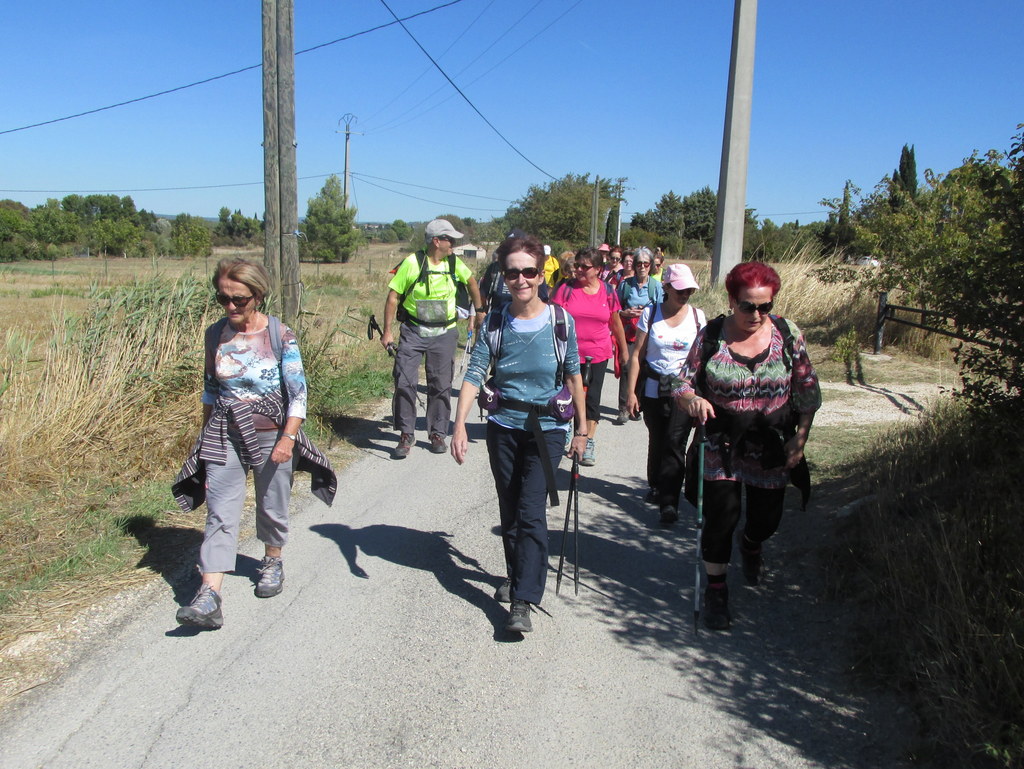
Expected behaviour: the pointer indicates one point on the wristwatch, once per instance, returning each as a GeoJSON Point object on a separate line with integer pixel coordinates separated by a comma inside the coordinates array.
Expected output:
{"type": "Point", "coordinates": [481, 310]}
{"type": "Point", "coordinates": [290, 435]}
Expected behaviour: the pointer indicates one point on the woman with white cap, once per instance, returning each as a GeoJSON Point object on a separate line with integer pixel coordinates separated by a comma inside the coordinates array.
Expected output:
{"type": "Point", "coordinates": [665, 333]}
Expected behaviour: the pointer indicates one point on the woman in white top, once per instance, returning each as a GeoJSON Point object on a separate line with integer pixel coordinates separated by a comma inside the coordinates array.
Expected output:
{"type": "Point", "coordinates": [665, 333]}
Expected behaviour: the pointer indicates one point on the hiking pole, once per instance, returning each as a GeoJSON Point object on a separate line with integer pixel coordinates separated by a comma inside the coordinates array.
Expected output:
{"type": "Point", "coordinates": [574, 476]}
{"type": "Point", "coordinates": [700, 438]}
{"type": "Point", "coordinates": [374, 326]}
{"type": "Point", "coordinates": [465, 350]}
{"type": "Point", "coordinates": [576, 528]}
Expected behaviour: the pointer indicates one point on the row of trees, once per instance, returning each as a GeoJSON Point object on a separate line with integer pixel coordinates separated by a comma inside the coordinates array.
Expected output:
{"type": "Point", "coordinates": [111, 225]}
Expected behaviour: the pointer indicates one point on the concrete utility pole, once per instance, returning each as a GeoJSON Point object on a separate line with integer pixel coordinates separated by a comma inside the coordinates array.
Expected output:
{"type": "Point", "coordinates": [281, 251]}
{"type": "Point", "coordinates": [732, 180]}
{"type": "Point", "coordinates": [348, 119]}
{"type": "Point", "coordinates": [594, 204]}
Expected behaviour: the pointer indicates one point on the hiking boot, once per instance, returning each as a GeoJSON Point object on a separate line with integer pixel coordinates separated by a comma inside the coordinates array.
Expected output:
{"type": "Point", "coordinates": [204, 611]}
{"type": "Point", "coordinates": [589, 454]}
{"type": "Point", "coordinates": [622, 417]}
{"type": "Point", "coordinates": [669, 515]}
{"type": "Point", "coordinates": [404, 444]}
{"type": "Point", "coordinates": [716, 608]}
{"type": "Point", "coordinates": [751, 565]}
{"type": "Point", "coordinates": [437, 445]}
{"type": "Point", "coordinates": [504, 592]}
{"type": "Point", "coordinates": [271, 577]}
{"type": "Point", "coordinates": [519, 617]}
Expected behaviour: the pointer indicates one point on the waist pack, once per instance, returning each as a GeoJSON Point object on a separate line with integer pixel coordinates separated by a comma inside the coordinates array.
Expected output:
{"type": "Point", "coordinates": [559, 406]}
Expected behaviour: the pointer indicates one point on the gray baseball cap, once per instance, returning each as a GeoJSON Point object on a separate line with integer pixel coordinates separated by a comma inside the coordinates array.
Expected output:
{"type": "Point", "coordinates": [439, 228]}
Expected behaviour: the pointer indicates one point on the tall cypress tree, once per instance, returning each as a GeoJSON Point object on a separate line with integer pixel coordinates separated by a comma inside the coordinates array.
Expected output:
{"type": "Point", "coordinates": [905, 177]}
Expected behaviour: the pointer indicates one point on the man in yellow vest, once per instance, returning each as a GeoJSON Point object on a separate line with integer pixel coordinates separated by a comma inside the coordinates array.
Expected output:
{"type": "Point", "coordinates": [422, 297]}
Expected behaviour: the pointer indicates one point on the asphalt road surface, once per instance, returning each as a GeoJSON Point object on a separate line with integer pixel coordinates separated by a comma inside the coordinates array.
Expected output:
{"type": "Point", "coordinates": [386, 648]}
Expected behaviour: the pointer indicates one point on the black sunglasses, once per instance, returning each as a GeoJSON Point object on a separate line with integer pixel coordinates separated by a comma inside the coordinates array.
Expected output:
{"type": "Point", "coordinates": [513, 273]}
{"type": "Point", "coordinates": [449, 238]}
{"type": "Point", "coordinates": [239, 301]}
{"type": "Point", "coordinates": [582, 266]}
{"type": "Point", "coordinates": [750, 307]}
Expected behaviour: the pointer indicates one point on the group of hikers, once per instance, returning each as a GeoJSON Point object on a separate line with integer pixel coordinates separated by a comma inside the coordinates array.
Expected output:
{"type": "Point", "coordinates": [547, 332]}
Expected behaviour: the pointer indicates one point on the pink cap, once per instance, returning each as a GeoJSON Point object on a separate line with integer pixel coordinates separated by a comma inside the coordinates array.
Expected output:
{"type": "Point", "coordinates": [679, 276]}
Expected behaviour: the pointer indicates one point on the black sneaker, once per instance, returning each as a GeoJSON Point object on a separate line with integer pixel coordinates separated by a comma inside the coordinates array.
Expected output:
{"type": "Point", "coordinates": [751, 565]}
{"type": "Point", "coordinates": [519, 617]}
{"type": "Point", "coordinates": [504, 592]}
{"type": "Point", "coordinates": [652, 497]}
{"type": "Point", "coordinates": [668, 515]}
{"type": "Point", "coordinates": [204, 611]}
{"type": "Point", "coordinates": [716, 608]}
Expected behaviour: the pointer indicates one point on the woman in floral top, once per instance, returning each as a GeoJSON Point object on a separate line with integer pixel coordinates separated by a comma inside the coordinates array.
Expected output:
{"type": "Point", "coordinates": [756, 394]}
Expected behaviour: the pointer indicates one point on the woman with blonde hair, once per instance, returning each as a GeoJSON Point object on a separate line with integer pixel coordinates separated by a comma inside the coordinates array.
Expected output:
{"type": "Point", "coordinates": [254, 404]}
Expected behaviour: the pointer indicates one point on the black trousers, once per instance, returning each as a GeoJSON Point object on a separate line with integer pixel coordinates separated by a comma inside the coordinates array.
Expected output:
{"type": "Point", "coordinates": [722, 513]}
{"type": "Point", "coordinates": [523, 503]}
{"type": "Point", "coordinates": [668, 428]}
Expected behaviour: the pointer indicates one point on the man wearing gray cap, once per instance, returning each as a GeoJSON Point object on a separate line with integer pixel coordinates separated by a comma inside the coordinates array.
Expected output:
{"type": "Point", "coordinates": [422, 297]}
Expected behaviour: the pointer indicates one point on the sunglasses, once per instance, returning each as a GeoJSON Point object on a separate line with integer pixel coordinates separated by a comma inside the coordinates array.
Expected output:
{"type": "Point", "coordinates": [513, 273]}
{"type": "Point", "coordinates": [238, 301]}
{"type": "Point", "coordinates": [581, 266]}
{"type": "Point", "coordinates": [449, 238]}
{"type": "Point", "coordinates": [641, 264]}
{"type": "Point", "coordinates": [750, 307]}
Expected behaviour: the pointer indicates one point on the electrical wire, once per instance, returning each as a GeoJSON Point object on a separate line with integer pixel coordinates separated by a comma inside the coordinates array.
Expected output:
{"type": "Point", "coordinates": [424, 187]}
{"type": "Point", "coordinates": [226, 74]}
{"type": "Point", "coordinates": [466, 98]}
{"type": "Point", "coordinates": [435, 202]}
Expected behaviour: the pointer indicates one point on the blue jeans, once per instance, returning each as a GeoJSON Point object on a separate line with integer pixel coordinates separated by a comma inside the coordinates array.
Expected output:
{"type": "Point", "coordinates": [522, 504]}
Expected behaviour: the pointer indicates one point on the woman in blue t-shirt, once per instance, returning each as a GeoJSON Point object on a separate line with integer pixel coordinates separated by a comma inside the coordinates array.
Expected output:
{"type": "Point", "coordinates": [528, 373]}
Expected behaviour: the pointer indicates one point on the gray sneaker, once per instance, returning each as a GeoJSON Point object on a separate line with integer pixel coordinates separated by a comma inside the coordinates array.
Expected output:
{"type": "Point", "coordinates": [589, 454]}
{"type": "Point", "coordinates": [271, 577]}
{"type": "Point", "coordinates": [204, 611]}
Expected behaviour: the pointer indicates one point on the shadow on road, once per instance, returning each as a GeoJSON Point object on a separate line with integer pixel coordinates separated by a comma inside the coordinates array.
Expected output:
{"type": "Point", "coordinates": [430, 551]}
{"type": "Point", "coordinates": [784, 666]}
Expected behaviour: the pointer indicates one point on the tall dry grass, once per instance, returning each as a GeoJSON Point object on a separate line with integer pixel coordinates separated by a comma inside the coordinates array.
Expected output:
{"type": "Point", "coordinates": [941, 580]}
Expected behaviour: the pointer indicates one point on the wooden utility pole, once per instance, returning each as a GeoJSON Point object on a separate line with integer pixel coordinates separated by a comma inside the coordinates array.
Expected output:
{"type": "Point", "coordinates": [732, 180]}
{"type": "Point", "coordinates": [281, 251]}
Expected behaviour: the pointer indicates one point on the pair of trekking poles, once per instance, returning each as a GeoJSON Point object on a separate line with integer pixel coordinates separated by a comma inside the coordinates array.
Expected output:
{"type": "Point", "coordinates": [572, 505]}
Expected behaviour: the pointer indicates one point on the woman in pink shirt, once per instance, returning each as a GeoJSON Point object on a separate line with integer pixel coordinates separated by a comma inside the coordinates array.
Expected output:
{"type": "Point", "coordinates": [595, 310]}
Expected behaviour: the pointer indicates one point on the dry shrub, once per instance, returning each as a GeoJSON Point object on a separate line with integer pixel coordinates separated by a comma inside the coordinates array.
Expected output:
{"type": "Point", "coordinates": [941, 556]}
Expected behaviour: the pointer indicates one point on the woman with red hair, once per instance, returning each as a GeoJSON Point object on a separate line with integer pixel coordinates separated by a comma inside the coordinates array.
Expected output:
{"type": "Point", "coordinates": [749, 380]}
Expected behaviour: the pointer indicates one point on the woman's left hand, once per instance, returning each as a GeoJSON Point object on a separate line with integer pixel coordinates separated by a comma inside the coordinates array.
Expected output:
{"type": "Point", "coordinates": [577, 446]}
{"type": "Point", "coordinates": [282, 451]}
{"type": "Point", "coordinates": [794, 451]}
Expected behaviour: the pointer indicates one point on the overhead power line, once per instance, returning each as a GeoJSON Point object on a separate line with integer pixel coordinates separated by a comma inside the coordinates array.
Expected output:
{"type": "Point", "coordinates": [436, 189]}
{"type": "Point", "coordinates": [465, 98]}
{"type": "Point", "coordinates": [226, 74]}
{"type": "Point", "coordinates": [435, 202]}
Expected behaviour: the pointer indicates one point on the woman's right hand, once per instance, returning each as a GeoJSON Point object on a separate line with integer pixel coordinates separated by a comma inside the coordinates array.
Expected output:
{"type": "Point", "coordinates": [700, 409]}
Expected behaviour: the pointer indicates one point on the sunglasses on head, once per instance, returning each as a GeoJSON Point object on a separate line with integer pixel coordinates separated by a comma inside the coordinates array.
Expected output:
{"type": "Point", "coordinates": [238, 301]}
{"type": "Point", "coordinates": [513, 273]}
{"type": "Point", "coordinates": [750, 307]}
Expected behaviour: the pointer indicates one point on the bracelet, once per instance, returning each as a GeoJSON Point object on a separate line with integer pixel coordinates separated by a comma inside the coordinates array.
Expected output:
{"type": "Point", "coordinates": [579, 435]}
{"type": "Point", "coordinates": [482, 310]}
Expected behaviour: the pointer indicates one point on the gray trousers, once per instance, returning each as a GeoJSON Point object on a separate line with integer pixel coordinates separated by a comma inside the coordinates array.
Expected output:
{"type": "Point", "coordinates": [439, 352]}
{"type": "Point", "coordinates": [225, 499]}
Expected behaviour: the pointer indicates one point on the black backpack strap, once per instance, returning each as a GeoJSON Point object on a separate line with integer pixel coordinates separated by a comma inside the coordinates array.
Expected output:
{"type": "Point", "coordinates": [712, 333]}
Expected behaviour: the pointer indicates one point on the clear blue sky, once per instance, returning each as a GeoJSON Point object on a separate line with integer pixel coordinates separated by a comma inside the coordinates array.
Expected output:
{"type": "Point", "coordinates": [583, 86]}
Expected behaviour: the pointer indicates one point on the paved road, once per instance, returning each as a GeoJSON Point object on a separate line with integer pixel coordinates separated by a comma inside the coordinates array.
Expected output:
{"type": "Point", "coordinates": [387, 650]}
